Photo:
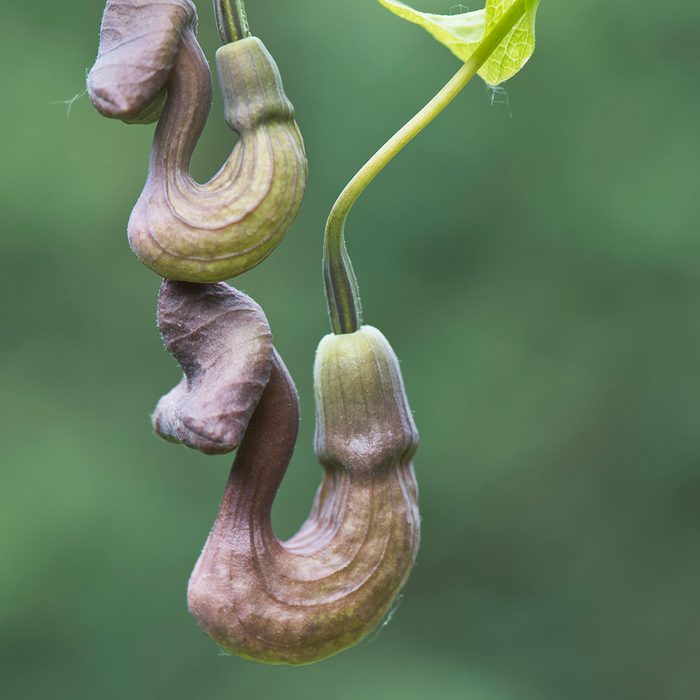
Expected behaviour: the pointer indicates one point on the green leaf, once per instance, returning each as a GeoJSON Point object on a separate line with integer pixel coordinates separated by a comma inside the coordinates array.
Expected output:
{"type": "Point", "coordinates": [462, 33]}
{"type": "Point", "coordinates": [515, 50]}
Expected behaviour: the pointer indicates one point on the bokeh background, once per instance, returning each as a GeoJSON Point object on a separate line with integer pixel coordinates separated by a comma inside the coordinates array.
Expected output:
{"type": "Point", "coordinates": [536, 266]}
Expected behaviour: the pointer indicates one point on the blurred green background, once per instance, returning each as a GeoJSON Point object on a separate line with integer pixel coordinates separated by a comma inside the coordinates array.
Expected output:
{"type": "Point", "coordinates": [535, 265]}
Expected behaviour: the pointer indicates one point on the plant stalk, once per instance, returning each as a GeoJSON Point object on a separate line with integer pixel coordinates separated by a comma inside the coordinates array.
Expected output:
{"type": "Point", "coordinates": [231, 19]}
{"type": "Point", "coordinates": [342, 293]}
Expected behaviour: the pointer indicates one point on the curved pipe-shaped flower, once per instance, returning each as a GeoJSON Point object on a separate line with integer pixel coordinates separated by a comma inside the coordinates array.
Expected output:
{"type": "Point", "coordinates": [327, 587]}
{"type": "Point", "coordinates": [150, 66]}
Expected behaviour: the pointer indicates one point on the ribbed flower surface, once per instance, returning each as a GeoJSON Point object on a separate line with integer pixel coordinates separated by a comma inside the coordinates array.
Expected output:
{"type": "Point", "coordinates": [326, 588]}
{"type": "Point", "coordinates": [150, 66]}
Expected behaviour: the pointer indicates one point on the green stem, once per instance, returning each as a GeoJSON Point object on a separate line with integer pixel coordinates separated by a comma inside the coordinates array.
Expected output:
{"type": "Point", "coordinates": [231, 19]}
{"type": "Point", "coordinates": [342, 294]}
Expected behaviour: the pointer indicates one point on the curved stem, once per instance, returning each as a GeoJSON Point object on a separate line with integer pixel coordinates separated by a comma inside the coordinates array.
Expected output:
{"type": "Point", "coordinates": [342, 294]}
{"type": "Point", "coordinates": [231, 19]}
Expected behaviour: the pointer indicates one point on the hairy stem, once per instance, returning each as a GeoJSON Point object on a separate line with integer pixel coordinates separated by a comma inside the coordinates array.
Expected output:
{"type": "Point", "coordinates": [231, 19]}
{"type": "Point", "coordinates": [342, 293]}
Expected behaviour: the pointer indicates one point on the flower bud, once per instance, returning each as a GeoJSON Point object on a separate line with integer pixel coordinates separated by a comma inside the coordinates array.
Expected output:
{"type": "Point", "coordinates": [327, 587]}
{"type": "Point", "coordinates": [150, 66]}
{"type": "Point", "coordinates": [206, 233]}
